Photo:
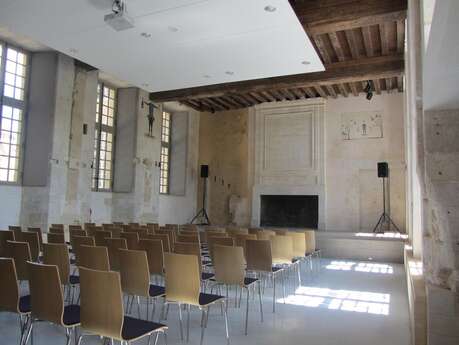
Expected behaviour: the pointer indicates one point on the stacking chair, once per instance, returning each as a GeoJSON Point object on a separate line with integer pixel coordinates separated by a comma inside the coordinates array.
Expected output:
{"type": "Point", "coordinates": [222, 241]}
{"type": "Point", "coordinates": [75, 227]}
{"type": "Point", "coordinates": [299, 250]}
{"type": "Point", "coordinates": [260, 260]}
{"type": "Point", "coordinates": [4, 237]}
{"type": "Point", "coordinates": [94, 257]}
{"type": "Point", "coordinates": [116, 231]}
{"type": "Point", "coordinates": [240, 239]}
{"type": "Point", "coordinates": [32, 239]}
{"type": "Point", "coordinates": [164, 240]}
{"type": "Point", "coordinates": [56, 230]}
{"type": "Point", "coordinates": [281, 232]}
{"type": "Point", "coordinates": [135, 279]}
{"type": "Point", "coordinates": [183, 288]}
{"type": "Point", "coordinates": [91, 230]}
{"type": "Point", "coordinates": [113, 246]}
{"type": "Point", "coordinates": [40, 235]}
{"type": "Point", "coordinates": [155, 256]}
{"type": "Point", "coordinates": [237, 231]}
{"type": "Point", "coordinates": [102, 312]}
{"type": "Point", "coordinates": [58, 226]}
{"type": "Point", "coordinates": [75, 232]}
{"type": "Point", "coordinates": [58, 254]}
{"type": "Point", "coordinates": [20, 252]}
{"type": "Point", "coordinates": [10, 299]}
{"type": "Point", "coordinates": [56, 238]}
{"type": "Point", "coordinates": [193, 249]}
{"type": "Point", "coordinates": [100, 237]}
{"type": "Point", "coordinates": [47, 300]}
{"type": "Point", "coordinates": [282, 253]}
{"type": "Point", "coordinates": [143, 233]}
{"type": "Point", "coordinates": [188, 238]}
{"type": "Point", "coordinates": [229, 266]}
{"type": "Point", "coordinates": [88, 225]}
{"type": "Point", "coordinates": [79, 241]}
{"type": "Point", "coordinates": [211, 234]}
{"type": "Point", "coordinates": [17, 231]}
{"type": "Point", "coordinates": [170, 234]}
{"type": "Point", "coordinates": [132, 239]}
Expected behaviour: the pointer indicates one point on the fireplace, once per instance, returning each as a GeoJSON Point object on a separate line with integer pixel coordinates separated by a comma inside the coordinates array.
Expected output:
{"type": "Point", "coordinates": [293, 211]}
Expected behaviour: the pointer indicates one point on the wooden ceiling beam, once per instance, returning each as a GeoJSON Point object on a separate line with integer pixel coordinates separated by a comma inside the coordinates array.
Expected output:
{"type": "Point", "coordinates": [331, 91]}
{"type": "Point", "coordinates": [342, 90]}
{"type": "Point", "coordinates": [319, 16]}
{"type": "Point", "coordinates": [354, 90]}
{"type": "Point", "coordinates": [320, 91]}
{"type": "Point", "coordinates": [340, 72]}
{"type": "Point", "coordinates": [377, 86]}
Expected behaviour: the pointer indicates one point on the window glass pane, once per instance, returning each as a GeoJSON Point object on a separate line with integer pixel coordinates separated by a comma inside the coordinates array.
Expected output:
{"type": "Point", "coordinates": [10, 137]}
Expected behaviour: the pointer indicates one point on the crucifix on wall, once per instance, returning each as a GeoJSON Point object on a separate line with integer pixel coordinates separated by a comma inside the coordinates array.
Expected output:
{"type": "Point", "coordinates": [150, 115]}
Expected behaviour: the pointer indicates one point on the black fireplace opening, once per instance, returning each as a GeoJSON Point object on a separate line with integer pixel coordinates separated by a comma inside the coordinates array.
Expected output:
{"type": "Point", "coordinates": [293, 211]}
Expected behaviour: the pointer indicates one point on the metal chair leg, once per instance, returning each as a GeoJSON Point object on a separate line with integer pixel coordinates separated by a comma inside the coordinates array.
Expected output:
{"type": "Point", "coordinates": [204, 316]}
{"type": "Point", "coordinates": [259, 298]}
{"type": "Point", "coordinates": [226, 325]}
{"type": "Point", "coordinates": [247, 310]}
{"type": "Point", "coordinates": [274, 292]}
{"type": "Point", "coordinates": [188, 323]}
{"type": "Point", "coordinates": [180, 319]}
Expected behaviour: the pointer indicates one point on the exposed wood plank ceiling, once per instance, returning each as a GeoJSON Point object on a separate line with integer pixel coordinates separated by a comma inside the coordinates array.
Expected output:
{"type": "Point", "coordinates": [357, 40]}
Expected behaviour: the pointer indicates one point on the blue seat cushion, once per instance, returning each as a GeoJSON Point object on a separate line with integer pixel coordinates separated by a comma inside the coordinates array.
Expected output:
{"type": "Point", "coordinates": [249, 281]}
{"type": "Point", "coordinates": [206, 299]}
{"type": "Point", "coordinates": [206, 276]}
{"type": "Point", "coordinates": [71, 315]}
{"type": "Point", "coordinates": [74, 279]}
{"type": "Point", "coordinates": [156, 290]}
{"type": "Point", "coordinates": [24, 304]}
{"type": "Point", "coordinates": [135, 328]}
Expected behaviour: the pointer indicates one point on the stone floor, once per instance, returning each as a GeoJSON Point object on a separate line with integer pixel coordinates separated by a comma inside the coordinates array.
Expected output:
{"type": "Point", "coordinates": [347, 303]}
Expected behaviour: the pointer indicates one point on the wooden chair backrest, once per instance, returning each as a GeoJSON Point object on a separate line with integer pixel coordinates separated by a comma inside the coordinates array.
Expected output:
{"type": "Point", "coordinates": [113, 246]}
{"type": "Point", "coordinates": [134, 272]}
{"type": "Point", "coordinates": [77, 232]}
{"type": "Point", "coordinates": [101, 302]}
{"type": "Point", "coordinates": [4, 237]}
{"type": "Point", "coordinates": [153, 226]}
{"type": "Point", "coordinates": [143, 233]}
{"type": "Point", "coordinates": [188, 248]}
{"type": "Point", "coordinates": [229, 265]}
{"type": "Point", "coordinates": [258, 255]}
{"type": "Point", "coordinates": [17, 231]}
{"type": "Point", "coordinates": [299, 243]}
{"type": "Point", "coordinates": [188, 238]}
{"type": "Point", "coordinates": [75, 227]}
{"type": "Point", "coordinates": [164, 240]}
{"type": "Point", "coordinates": [56, 230]}
{"type": "Point", "coordinates": [56, 238]}
{"type": "Point", "coordinates": [281, 232]}
{"type": "Point", "coordinates": [92, 229]}
{"type": "Point", "coordinates": [237, 231]}
{"type": "Point", "coordinates": [222, 241]}
{"type": "Point", "coordinates": [241, 239]}
{"type": "Point", "coordinates": [20, 252]}
{"type": "Point", "coordinates": [78, 241]}
{"type": "Point", "coordinates": [132, 239]}
{"type": "Point", "coordinates": [60, 226]}
{"type": "Point", "coordinates": [100, 237]}
{"type": "Point", "coordinates": [211, 234]}
{"type": "Point", "coordinates": [269, 232]}
{"type": "Point", "coordinates": [310, 239]}
{"type": "Point", "coordinates": [94, 257]}
{"type": "Point", "coordinates": [32, 239]}
{"type": "Point", "coordinates": [39, 233]}
{"type": "Point", "coordinates": [155, 255]}
{"type": "Point", "coordinates": [87, 225]}
{"type": "Point", "coordinates": [58, 255]}
{"type": "Point", "coordinates": [47, 302]}
{"type": "Point", "coordinates": [261, 235]}
{"type": "Point", "coordinates": [116, 231]}
{"type": "Point", "coordinates": [282, 249]}
{"type": "Point", "coordinates": [9, 288]}
{"type": "Point", "coordinates": [170, 234]}
{"type": "Point", "coordinates": [183, 278]}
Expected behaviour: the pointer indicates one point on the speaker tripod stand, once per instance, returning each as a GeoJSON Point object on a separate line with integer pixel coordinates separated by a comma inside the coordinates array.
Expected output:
{"type": "Point", "coordinates": [202, 213]}
{"type": "Point", "coordinates": [385, 221]}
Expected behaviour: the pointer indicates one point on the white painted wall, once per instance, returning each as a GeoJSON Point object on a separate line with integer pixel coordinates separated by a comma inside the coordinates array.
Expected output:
{"type": "Point", "coordinates": [353, 190]}
{"type": "Point", "coordinates": [10, 205]}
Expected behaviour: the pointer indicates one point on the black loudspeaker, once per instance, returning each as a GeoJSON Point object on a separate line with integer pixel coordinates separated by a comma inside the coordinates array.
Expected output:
{"type": "Point", "coordinates": [204, 171]}
{"type": "Point", "coordinates": [383, 169]}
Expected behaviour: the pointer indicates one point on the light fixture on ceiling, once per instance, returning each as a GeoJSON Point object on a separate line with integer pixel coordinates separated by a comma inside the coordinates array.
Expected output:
{"type": "Point", "coordinates": [145, 85]}
{"type": "Point", "coordinates": [172, 28]}
{"type": "Point", "coordinates": [73, 50]}
{"type": "Point", "coordinates": [145, 35]}
{"type": "Point", "coordinates": [270, 8]}
{"type": "Point", "coordinates": [369, 89]}
{"type": "Point", "coordinates": [229, 72]}
{"type": "Point", "coordinates": [305, 62]}
{"type": "Point", "coordinates": [119, 19]}
{"type": "Point", "coordinates": [206, 76]}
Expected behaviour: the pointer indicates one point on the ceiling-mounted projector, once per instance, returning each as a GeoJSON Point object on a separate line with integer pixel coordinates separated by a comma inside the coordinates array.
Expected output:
{"type": "Point", "coordinates": [119, 18]}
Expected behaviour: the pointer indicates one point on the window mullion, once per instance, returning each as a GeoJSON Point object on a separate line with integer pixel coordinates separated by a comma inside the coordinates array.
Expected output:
{"type": "Point", "coordinates": [99, 131]}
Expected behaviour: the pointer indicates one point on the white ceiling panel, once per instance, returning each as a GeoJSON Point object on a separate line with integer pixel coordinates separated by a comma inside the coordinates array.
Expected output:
{"type": "Point", "coordinates": [192, 43]}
